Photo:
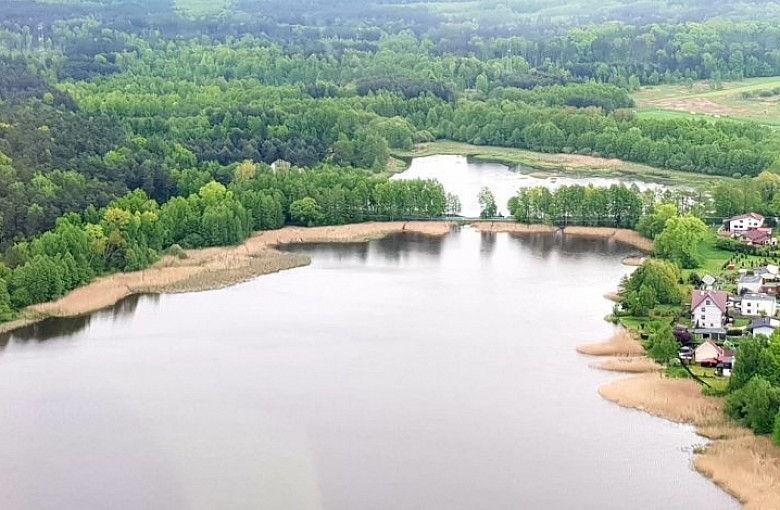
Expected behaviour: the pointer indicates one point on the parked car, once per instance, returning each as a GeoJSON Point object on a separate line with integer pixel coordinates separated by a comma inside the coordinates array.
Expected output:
{"type": "Point", "coordinates": [686, 353]}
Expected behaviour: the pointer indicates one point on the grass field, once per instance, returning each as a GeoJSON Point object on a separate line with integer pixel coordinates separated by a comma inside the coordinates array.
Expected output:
{"type": "Point", "coordinates": [676, 101]}
{"type": "Point", "coordinates": [560, 164]}
{"type": "Point", "coordinates": [201, 7]}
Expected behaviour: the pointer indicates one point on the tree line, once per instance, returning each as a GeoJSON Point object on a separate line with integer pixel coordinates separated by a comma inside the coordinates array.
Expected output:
{"type": "Point", "coordinates": [133, 231]}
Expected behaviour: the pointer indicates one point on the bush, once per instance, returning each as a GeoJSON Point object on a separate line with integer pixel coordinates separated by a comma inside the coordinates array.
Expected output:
{"type": "Point", "coordinates": [755, 405]}
{"type": "Point", "coordinates": [177, 251]}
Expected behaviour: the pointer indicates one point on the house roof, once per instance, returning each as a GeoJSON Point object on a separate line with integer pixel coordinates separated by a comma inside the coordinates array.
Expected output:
{"type": "Point", "coordinates": [719, 297]}
{"type": "Point", "coordinates": [752, 296]}
{"type": "Point", "coordinates": [762, 322]}
{"type": "Point", "coordinates": [752, 215]}
{"type": "Point", "coordinates": [755, 236]}
{"type": "Point", "coordinates": [750, 278]}
{"type": "Point", "coordinates": [708, 279]}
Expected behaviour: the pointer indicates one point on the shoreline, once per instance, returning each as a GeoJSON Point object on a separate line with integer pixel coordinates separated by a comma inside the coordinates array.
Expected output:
{"type": "Point", "coordinates": [744, 465]}
{"type": "Point", "coordinates": [556, 164]}
{"type": "Point", "coordinates": [215, 268]}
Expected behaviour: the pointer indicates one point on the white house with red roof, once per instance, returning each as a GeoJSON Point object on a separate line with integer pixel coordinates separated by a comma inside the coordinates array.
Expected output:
{"type": "Point", "coordinates": [745, 222]}
{"type": "Point", "coordinates": [708, 308]}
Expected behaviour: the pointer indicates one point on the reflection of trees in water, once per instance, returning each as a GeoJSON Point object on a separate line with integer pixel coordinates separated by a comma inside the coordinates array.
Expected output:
{"type": "Point", "coordinates": [334, 251]}
{"type": "Point", "coordinates": [64, 327]}
{"type": "Point", "coordinates": [129, 305]}
{"type": "Point", "coordinates": [399, 246]}
{"type": "Point", "coordinates": [60, 327]}
{"type": "Point", "coordinates": [487, 243]}
{"type": "Point", "coordinates": [546, 243]}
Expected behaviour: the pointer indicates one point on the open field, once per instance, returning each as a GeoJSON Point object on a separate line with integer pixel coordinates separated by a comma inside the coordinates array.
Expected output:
{"type": "Point", "coordinates": [559, 164]}
{"type": "Point", "coordinates": [201, 7]}
{"type": "Point", "coordinates": [701, 101]}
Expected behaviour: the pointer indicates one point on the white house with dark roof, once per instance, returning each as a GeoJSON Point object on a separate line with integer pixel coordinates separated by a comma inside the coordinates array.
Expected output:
{"type": "Point", "coordinates": [763, 326]}
{"type": "Point", "coordinates": [757, 305]}
{"type": "Point", "coordinates": [745, 222]}
{"type": "Point", "coordinates": [708, 308]}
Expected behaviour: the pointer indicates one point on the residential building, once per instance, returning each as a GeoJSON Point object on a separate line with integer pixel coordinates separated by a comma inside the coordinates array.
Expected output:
{"type": "Point", "coordinates": [708, 308]}
{"type": "Point", "coordinates": [764, 326]}
{"type": "Point", "coordinates": [709, 354]}
{"type": "Point", "coordinates": [750, 282]}
{"type": "Point", "coordinates": [745, 222]}
{"type": "Point", "coordinates": [758, 237]}
{"type": "Point", "coordinates": [758, 305]}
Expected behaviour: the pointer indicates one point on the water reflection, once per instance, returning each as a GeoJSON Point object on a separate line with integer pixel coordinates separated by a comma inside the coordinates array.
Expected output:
{"type": "Point", "coordinates": [446, 380]}
{"type": "Point", "coordinates": [393, 248]}
{"type": "Point", "coordinates": [61, 328]}
{"type": "Point", "coordinates": [465, 178]}
{"type": "Point", "coordinates": [402, 246]}
{"type": "Point", "coordinates": [487, 243]}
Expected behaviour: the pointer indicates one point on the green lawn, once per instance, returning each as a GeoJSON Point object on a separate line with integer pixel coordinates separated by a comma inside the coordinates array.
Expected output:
{"type": "Point", "coordinates": [715, 258]}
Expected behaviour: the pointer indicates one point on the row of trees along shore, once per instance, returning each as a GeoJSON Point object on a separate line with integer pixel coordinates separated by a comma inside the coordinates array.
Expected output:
{"type": "Point", "coordinates": [118, 96]}
{"type": "Point", "coordinates": [133, 231]}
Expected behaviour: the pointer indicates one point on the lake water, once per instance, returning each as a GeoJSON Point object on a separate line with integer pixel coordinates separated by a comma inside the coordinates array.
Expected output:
{"type": "Point", "coordinates": [465, 178]}
{"type": "Point", "coordinates": [406, 373]}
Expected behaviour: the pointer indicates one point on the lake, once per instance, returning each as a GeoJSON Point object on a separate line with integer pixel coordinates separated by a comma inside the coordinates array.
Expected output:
{"type": "Point", "coordinates": [465, 178]}
{"type": "Point", "coordinates": [405, 373]}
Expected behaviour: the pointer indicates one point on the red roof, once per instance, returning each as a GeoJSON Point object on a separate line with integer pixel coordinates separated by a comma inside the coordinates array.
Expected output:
{"type": "Point", "coordinates": [756, 236]}
{"type": "Point", "coordinates": [719, 297]}
{"type": "Point", "coordinates": [753, 215]}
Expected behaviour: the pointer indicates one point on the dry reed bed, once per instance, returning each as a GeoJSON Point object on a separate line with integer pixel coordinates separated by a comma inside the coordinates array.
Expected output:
{"type": "Point", "coordinates": [633, 261]}
{"type": "Point", "coordinates": [746, 466]}
{"type": "Point", "coordinates": [625, 236]}
{"type": "Point", "coordinates": [628, 364]}
{"type": "Point", "coordinates": [622, 343]}
{"type": "Point", "coordinates": [212, 268]}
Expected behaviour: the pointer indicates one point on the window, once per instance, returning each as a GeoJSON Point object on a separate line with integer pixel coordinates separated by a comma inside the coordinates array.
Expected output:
{"type": "Point", "coordinates": [708, 302]}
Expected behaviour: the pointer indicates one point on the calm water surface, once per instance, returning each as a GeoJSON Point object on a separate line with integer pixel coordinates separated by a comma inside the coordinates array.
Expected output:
{"type": "Point", "coordinates": [408, 373]}
{"type": "Point", "coordinates": [465, 178]}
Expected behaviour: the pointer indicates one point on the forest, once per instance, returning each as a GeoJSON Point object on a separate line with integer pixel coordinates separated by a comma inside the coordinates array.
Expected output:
{"type": "Point", "coordinates": [128, 127]}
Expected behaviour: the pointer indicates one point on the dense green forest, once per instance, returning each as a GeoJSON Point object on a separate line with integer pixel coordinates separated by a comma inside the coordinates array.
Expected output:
{"type": "Point", "coordinates": [129, 126]}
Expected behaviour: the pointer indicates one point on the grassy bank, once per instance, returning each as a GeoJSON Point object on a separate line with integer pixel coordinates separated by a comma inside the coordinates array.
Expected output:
{"type": "Point", "coordinates": [559, 164]}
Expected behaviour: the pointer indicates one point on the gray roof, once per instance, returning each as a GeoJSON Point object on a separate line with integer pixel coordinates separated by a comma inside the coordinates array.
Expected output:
{"type": "Point", "coordinates": [710, 331]}
{"type": "Point", "coordinates": [750, 278]}
{"type": "Point", "coordinates": [758, 297]}
{"type": "Point", "coordinates": [762, 322]}
{"type": "Point", "coordinates": [708, 279]}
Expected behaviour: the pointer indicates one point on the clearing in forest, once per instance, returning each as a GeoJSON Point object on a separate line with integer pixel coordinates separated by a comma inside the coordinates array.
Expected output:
{"type": "Point", "coordinates": [754, 99]}
{"type": "Point", "coordinates": [200, 7]}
